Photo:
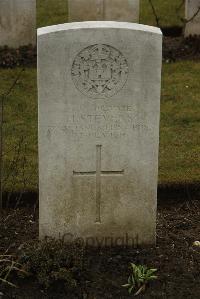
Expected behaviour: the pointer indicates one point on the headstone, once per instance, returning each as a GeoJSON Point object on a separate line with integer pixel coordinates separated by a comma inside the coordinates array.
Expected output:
{"type": "Point", "coordinates": [192, 11]}
{"type": "Point", "coordinates": [99, 107]}
{"type": "Point", "coordinates": [17, 23]}
{"type": "Point", "coordinates": [103, 10]}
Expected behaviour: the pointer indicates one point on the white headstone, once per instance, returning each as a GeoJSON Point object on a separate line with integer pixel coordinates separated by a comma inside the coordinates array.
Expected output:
{"type": "Point", "coordinates": [17, 23]}
{"type": "Point", "coordinates": [103, 10]}
{"type": "Point", "coordinates": [192, 11]}
{"type": "Point", "coordinates": [99, 107]}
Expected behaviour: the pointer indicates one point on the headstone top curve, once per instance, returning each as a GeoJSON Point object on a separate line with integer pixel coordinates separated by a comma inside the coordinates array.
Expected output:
{"type": "Point", "coordinates": [97, 24]}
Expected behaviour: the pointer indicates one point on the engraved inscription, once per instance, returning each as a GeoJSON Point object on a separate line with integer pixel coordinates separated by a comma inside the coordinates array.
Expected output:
{"type": "Point", "coordinates": [98, 173]}
{"type": "Point", "coordinates": [102, 121]}
{"type": "Point", "coordinates": [99, 71]}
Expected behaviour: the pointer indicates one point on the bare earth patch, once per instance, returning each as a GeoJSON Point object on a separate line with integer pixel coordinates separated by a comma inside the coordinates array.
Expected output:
{"type": "Point", "coordinates": [105, 270]}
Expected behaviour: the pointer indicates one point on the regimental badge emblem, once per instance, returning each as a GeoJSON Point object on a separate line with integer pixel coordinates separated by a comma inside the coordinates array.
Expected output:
{"type": "Point", "coordinates": [99, 71]}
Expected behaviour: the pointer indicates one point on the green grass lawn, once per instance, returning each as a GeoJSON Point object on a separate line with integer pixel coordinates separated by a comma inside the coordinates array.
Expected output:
{"type": "Point", "coordinates": [166, 10]}
{"type": "Point", "coordinates": [51, 12]}
{"type": "Point", "coordinates": [179, 159]}
{"type": "Point", "coordinates": [179, 133]}
{"type": "Point", "coordinates": [20, 169]}
{"type": "Point", "coordinates": [180, 124]}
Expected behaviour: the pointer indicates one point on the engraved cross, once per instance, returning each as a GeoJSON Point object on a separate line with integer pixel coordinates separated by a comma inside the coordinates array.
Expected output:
{"type": "Point", "coordinates": [98, 173]}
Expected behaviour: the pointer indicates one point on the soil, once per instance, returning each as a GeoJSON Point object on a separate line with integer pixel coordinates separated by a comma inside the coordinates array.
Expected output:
{"type": "Point", "coordinates": [24, 56]}
{"type": "Point", "coordinates": [105, 270]}
{"type": "Point", "coordinates": [179, 48]}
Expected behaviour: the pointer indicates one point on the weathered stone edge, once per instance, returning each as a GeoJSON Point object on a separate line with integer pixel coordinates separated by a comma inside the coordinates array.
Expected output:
{"type": "Point", "coordinates": [98, 24]}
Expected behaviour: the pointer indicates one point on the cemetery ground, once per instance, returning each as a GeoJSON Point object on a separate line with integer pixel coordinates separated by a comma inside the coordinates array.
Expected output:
{"type": "Point", "coordinates": [75, 272]}
{"type": "Point", "coordinates": [104, 271]}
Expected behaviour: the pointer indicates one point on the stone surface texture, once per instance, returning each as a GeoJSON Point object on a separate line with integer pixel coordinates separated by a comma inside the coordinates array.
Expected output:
{"type": "Point", "coordinates": [103, 10]}
{"type": "Point", "coordinates": [17, 23]}
{"type": "Point", "coordinates": [191, 8]}
{"type": "Point", "coordinates": [99, 107]}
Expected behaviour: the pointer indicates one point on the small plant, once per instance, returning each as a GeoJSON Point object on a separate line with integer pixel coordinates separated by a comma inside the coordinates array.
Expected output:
{"type": "Point", "coordinates": [7, 266]}
{"type": "Point", "coordinates": [139, 278]}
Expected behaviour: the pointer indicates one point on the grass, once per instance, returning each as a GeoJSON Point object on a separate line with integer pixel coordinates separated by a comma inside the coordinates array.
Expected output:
{"type": "Point", "coordinates": [20, 130]}
{"type": "Point", "coordinates": [166, 10]}
{"type": "Point", "coordinates": [179, 143]}
{"type": "Point", "coordinates": [50, 12]}
{"type": "Point", "coordinates": [180, 123]}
